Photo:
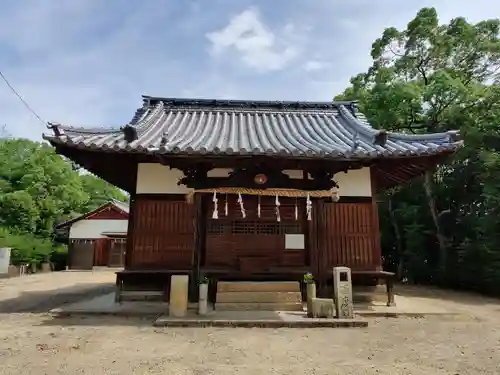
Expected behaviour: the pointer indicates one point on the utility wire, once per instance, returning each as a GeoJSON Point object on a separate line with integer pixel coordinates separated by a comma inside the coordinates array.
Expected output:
{"type": "Point", "coordinates": [21, 99]}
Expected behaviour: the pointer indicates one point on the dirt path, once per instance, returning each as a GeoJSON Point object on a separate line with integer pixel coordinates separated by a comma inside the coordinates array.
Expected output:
{"type": "Point", "coordinates": [467, 343]}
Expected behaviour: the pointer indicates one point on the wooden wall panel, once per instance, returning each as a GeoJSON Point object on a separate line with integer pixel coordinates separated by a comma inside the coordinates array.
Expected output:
{"type": "Point", "coordinates": [347, 236]}
{"type": "Point", "coordinates": [163, 234]}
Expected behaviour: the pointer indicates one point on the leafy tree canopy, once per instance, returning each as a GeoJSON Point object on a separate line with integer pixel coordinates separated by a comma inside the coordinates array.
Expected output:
{"type": "Point", "coordinates": [38, 189]}
{"type": "Point", "coordinates": [433, 77]}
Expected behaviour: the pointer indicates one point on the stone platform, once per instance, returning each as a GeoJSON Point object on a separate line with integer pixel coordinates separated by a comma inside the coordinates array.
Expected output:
{"type": "Point", "coordinates": [257, 319]}
{"type": "Point", "coordinates": [105, 305]}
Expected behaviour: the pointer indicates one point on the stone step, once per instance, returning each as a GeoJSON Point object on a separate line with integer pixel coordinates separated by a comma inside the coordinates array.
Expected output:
{"type": "Point", "coordinates": [260, 297]}
{"type": "Point", "coordinates": [258, 286]}
{"type": "Point", "coordinates": [272, 306]}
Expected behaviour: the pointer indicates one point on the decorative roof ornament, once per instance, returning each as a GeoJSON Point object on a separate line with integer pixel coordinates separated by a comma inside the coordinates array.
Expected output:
{"type": "Point", "coordinates": [380, 138]}
{"type": "Point", "coordinates": [129, 133]}
{"type": "Point", "coordinates": [353, 107]}
{"type": "Point", "coordinates": [59, 132]}
{"type": "Point", "coordinates": [355, 142]}
{"type": "Point", "coordinates": [164, 139]}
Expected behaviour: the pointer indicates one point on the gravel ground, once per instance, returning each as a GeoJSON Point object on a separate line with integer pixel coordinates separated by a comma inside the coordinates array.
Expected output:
{"type": "Point", "coordinates": [466, 343]}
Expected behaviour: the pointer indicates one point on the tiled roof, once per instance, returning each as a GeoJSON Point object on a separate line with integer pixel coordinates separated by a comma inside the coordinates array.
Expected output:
{"type": "Point", "coordinates": [122, 206]}
{"type": "Point", "coordinates": [228, 127]}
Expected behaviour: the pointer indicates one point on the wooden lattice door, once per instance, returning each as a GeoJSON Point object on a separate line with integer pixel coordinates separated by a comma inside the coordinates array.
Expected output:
{"type": "Point", "coordinates": [117, 253]}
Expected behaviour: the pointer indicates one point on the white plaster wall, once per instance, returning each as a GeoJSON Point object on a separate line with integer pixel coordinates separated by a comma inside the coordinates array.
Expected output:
{"type": "Point", "coordinates": [354, 183]}
{"type": "Point", "coordinates": [159, 179]}
{"type": "Point", "coordinates": [153, 178]}
{"type": "Point", "coordinates": [88, 229]}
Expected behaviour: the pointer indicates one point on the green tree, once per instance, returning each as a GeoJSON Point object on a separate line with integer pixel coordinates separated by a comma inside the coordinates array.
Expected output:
{"type": "Point", "coordinates": [432, 77]}
{"type": "Point", "coordinates": [37, 183]}
{"type": "Point", "coordinates": [38, 189]}
{"type": "Point", "coordinates": [100, 192]}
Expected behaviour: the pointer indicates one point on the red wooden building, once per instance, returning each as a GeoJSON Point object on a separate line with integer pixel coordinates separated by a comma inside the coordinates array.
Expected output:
{"type": "Point", "coordinates": [98, 237]}
{"type": "Point", "coordinates": [251, 189]}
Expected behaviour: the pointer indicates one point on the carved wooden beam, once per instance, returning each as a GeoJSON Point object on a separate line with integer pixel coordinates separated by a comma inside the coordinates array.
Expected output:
{"type": "Point", "coordinates": [256, 178]}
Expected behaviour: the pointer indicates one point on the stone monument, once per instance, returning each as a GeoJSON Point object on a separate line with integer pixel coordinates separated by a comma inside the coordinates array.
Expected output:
{"type": "Point", "coordinates": [178, 302]}
{"type": "Point", "coordinates": [342, 292]}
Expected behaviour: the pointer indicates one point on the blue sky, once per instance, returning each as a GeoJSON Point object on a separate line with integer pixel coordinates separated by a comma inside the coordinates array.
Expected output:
{"type": "Point", "coordinates": [87, 62]}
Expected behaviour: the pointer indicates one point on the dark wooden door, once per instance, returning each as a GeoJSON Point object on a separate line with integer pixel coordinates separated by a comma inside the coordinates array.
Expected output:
{"type": "Point", "coordinates": [117, 253]}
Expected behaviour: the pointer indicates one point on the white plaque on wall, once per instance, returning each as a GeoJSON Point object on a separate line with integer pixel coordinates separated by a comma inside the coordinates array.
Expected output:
{"type": "Point", "coordinates": [294, 242]}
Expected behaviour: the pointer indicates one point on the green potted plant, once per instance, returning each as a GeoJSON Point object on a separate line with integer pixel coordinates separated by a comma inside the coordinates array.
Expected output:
{"type": "Point", "coordinates": [203, 295]}
{"type": "Point", "coordinates": [310, 291]}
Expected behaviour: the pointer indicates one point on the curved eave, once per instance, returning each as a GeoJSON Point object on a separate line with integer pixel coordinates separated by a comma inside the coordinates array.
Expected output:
{"type": "Point", "coordinates": [168, 129]}
{"type": "Point", "coordinates": [163, 151]}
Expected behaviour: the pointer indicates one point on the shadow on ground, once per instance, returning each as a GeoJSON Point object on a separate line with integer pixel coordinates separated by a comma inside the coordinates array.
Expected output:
{"type": "Point", "coordinates": [99, 320]}
{"type": "Point", "coordinates": [43, 301]}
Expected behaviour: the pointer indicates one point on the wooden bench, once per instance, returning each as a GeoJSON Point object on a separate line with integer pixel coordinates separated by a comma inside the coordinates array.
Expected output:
{"type": "Point", "coordinates": [388, 277]}
{"type": "Point", "coordinates": [121, 276]}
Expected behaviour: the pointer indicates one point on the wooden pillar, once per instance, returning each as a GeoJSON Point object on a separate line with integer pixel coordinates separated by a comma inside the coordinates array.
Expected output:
{"type": "Point", "coordinates": [320, 269]}
{"type": "Point", "coordinates": [197, 246]}
{"type": "Point", "coordinates": [129, 246]}
{"type": "Point", "coordinates": [377, 250]}
{"type": "Point", "coordinates": [306, 225]}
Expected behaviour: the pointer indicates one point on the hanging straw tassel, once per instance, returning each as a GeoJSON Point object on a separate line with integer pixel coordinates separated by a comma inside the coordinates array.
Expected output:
{"type": "Point", "coordinates": [226, 207]}
{"type": "Point", "coordinates": [296, 209]}
{"type": "Point", "coordinates": [242, 208]}
{"type": "Point", "coordinates": [258, 206]}
{"type": "Point", "coordinates": [215, 213]}
{"type": "Point", "coordinates": [277, 201]}
{"type": "Point", "coordinates": [308, 207]}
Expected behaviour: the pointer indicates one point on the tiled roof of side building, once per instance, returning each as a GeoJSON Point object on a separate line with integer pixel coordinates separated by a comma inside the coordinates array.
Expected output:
{"type": "Point", "coordinates": [234, 127]}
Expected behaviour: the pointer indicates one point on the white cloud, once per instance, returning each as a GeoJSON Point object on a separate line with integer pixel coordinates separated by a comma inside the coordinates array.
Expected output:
{"type": "Point", "coordinates": [314, 65]}
{"type": "Point", "coordinates": [258, 46]}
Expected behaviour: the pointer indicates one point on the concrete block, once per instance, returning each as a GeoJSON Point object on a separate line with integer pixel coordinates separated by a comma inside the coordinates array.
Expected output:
{"type": "Point", "coordinates": [323, 308]}
{"type": "Point", "coordinates": [46, 267]}
{"type": "Point", "coordinates": [178, 302]}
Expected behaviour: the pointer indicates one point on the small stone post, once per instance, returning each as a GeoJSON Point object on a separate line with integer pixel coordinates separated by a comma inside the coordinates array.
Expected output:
{"type": "Point", "coordinates": [178, 296]}
{"type": "Point", "coordinates": [342, 287]}
{"type": "Point", "coordinates": [311, 293]}
{"type": "Point", "coordinates": [203, 299]}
